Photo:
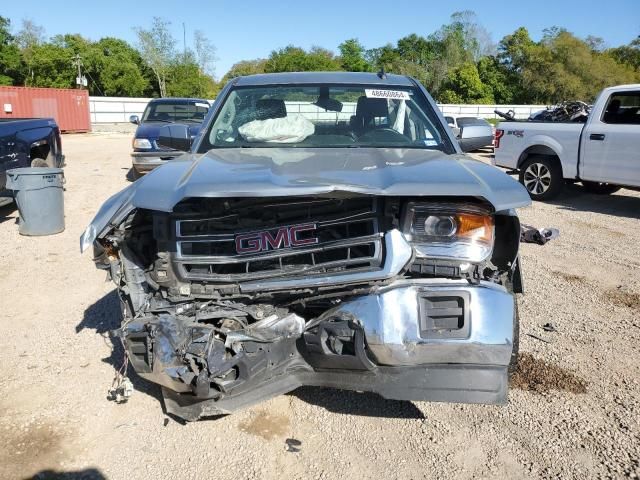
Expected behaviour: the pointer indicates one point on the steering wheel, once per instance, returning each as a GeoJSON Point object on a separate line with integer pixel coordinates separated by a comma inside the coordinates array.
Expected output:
{"type": "Point", "coordinates": [380, 134]}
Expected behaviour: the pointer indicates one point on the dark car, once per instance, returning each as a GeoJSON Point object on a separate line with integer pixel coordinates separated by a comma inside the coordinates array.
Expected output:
{"type": "Point", "coordinates": [28, 142]}
{"type": "Point", "coordinates": [147, 154]}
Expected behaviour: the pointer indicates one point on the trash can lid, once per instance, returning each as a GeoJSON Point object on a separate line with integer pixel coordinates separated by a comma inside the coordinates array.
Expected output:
{"type": "Point", "coordinates": [34, 171]}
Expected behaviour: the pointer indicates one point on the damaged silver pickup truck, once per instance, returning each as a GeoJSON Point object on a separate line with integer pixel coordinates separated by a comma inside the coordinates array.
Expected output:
{"type": "Point", "coordinates": [323, 229]}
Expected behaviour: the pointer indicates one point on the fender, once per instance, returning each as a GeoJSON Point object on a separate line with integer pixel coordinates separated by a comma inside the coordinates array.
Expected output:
{"type": "Point", "coordinates": [568, 164]}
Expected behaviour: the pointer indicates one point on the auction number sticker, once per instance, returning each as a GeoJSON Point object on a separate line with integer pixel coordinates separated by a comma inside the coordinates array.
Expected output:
{"type": "Point", "coordinates": [391, 94]}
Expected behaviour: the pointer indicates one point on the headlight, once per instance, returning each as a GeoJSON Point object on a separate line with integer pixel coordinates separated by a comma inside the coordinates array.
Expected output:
{"type": "Point", "coordinates": [141, 143]}
{"type": "Point", "coordinates": [449, 231]}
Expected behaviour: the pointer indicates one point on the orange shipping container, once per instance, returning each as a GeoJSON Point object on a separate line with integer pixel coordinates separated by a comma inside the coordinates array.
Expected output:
{"type": "Point", "coordinates": [69, 108]}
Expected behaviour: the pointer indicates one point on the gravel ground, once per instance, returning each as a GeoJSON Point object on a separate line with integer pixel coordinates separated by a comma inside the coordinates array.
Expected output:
{"type": "Point", "coordinates": [573, 411]}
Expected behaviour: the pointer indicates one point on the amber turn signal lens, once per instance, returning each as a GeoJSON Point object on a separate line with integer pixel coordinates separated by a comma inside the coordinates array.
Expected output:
{"type": "Point", "coordinates": [475, 227]}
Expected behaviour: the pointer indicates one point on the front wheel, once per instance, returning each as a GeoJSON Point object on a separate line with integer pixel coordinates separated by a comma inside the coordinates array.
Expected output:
{"type": "Point", "coordinates": [600, 188]}
{"type": "Point", "coordinates": [542, 177]}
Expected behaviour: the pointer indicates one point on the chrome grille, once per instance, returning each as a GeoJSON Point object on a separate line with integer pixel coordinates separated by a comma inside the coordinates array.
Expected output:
{"type": "Point", "coordinates": [347, 230]}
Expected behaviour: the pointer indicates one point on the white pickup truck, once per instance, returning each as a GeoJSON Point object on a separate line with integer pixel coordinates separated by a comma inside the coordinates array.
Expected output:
{"type": "Point", "coordinates": [603, 153]}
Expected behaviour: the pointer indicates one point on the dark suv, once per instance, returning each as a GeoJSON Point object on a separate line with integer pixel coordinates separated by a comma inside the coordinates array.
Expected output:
{"type": "Point", "coordinates": [147, 154]}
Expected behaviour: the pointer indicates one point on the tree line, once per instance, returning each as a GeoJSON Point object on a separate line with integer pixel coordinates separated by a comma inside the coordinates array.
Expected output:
{"type": "Point", "coordinates": [153, 67]}
{"type": "Point", "coordinates": [458, 63]}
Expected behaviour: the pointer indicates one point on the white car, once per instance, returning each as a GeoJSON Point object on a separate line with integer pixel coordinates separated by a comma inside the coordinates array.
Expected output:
{"type": "Point", "coordinates": [603, 153]}
{"type": "Point", "coordinates": [472, 133]}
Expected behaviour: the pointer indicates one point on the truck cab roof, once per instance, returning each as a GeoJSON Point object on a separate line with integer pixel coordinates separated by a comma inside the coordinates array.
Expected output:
{"type": "Point", "coordinates": [178, 100]}
{"type": "Point", "coordinates": [314, 78]}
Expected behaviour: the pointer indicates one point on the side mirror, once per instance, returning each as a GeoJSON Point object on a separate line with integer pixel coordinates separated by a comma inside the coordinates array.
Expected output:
{"type": "Point", "coordinates": [134, 119]}
{"type": "Point", "coordinates": [175, 136]}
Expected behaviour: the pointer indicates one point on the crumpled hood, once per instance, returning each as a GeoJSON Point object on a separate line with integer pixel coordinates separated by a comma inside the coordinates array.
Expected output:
{"type": "Point", "coordinates": [275, 172]}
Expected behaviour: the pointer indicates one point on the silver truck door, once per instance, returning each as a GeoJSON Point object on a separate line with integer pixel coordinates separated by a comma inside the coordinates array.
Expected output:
{"type": "Point", "coordinates": [611, 141]}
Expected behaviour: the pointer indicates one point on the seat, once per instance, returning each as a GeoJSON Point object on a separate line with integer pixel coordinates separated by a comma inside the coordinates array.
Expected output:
{"type": "Point", "coordinates": [366, 110]}
{"type": "Point", "coordinates": [612, 112]}
{"type": "Point", "coordinates": [270, 108]}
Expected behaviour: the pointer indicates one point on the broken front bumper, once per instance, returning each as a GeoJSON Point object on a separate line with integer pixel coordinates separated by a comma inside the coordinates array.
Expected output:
{"type": "Point", "coordinates": [430, 339]}
{"type": "Point", "coordinates": [144, 162]}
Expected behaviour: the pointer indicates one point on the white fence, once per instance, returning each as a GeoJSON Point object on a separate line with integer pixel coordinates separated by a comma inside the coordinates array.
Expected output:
{"type": "Point", "coordinates": [115, 109]}
{"type": "Point", "coordinates": [119, 109]}
{"type": "Point", "coordinates": [487, 111]}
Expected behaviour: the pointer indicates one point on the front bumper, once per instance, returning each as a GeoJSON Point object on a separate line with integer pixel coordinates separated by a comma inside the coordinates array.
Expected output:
{"type": "Point", "coordinates": [429, 340]}
{"type": "Point", "coordinates": [407, 323]}
{"type": "Point", "coordinates": [144, 162]}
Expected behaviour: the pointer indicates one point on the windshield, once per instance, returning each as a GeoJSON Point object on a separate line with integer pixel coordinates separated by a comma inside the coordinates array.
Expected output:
{"type": "Point", "coordinates": [175, 112]}
{"type": "Point", "coordinates": [326, 116]}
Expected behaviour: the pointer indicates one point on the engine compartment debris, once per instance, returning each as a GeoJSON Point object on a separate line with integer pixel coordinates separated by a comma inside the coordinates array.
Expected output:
{"type": "Point", "coordinates": [530, 234]}
{"type": "Point", "coordinates": [567, 111]}
{"type": "Point", "coordinates": [222, 313]}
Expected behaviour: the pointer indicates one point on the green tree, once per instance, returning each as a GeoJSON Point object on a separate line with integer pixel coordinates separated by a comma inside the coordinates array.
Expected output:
{"type": "Point", "coordinates": [52, 66]}
{"type": "Point", "coordinates": [383, 57]}
{"type": "Point", "coordinates": [28, 39]}
{"type": "Point", "coordinates": [10, 61]}
{"type": "Point", "coordinates": [476, 38]}
{"type": "Point", "coordinates": [464, 85]}
{"type": "Point", "coordinates": [186, 79]}
{"type": "Point", "coordinates": [121, 69]}
{"type": "Point", "coordinates": [502, 82]}
{"type": "Point", "coordinates": [157, 48]}
{"type": "Point", "coordinates": [296, 59]}
{"type": "Point", "coordinates": [352, 56]}
{"type": "Point", "coordinates": [205, 53]}
{"type": "Point", "coordinates": [245, 67]}
{"type": "Point", "coordinates": [560, 67]}
{"type": "Point", "coordinates": [416, 49]}
{"type": "Point", "coordinates": [111, 65]}
{"type": "Point", "coordinates": [517, 53]}
{"type": "Point", "coordinates": [627, 54]}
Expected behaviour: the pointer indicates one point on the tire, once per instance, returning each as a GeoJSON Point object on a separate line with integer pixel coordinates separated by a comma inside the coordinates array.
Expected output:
{"type": "Point", "coordinates": [600, 188]}
{"type": "Point", "coordinates": [542, 177]}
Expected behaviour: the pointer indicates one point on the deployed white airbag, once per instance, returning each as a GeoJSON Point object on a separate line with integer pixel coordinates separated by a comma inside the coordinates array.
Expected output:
{"type": "Point", "coordinates": [290, 129]}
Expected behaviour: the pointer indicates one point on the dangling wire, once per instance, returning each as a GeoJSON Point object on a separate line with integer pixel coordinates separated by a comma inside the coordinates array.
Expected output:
{"type": "Point", "coordinates": [121, 387]}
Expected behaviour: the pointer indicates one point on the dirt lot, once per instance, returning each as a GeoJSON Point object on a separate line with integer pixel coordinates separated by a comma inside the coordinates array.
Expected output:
{"type": "Point", "coordinates": [573, 412]}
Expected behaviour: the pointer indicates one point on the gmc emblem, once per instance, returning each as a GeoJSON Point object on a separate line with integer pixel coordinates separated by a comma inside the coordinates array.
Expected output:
{"type": "Point", "coordinates": [284, 237]}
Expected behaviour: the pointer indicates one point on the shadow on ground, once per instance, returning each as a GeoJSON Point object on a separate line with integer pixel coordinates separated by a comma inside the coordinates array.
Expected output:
{"type": "Point", "coordinates": [88, 474]}
{"type": "Point", "coordinates": [575, 198]}
{"type": "Point", "coordinates": [8, 212]}
{"type": "Point", "coordinates": [103, 317]}
{"type": "Point", "coordinates": [363, 404]}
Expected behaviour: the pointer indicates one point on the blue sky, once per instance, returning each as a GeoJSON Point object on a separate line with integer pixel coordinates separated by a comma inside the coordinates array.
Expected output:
{"type": "Point", "coordinates": [245, 29]}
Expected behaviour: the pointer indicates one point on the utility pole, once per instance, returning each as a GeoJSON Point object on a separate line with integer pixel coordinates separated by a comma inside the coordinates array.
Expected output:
{"type": "Point", "coordinates": [184, 42]}
{"type": "Point", "coordinates": [80, 80]}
